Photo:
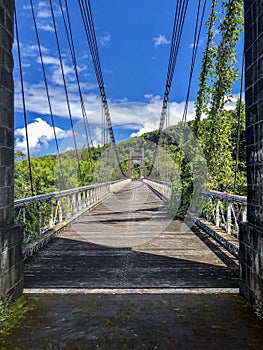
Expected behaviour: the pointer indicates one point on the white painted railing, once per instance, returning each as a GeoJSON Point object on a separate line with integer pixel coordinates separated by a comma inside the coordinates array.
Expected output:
{"type": "Point", "coordinates": [225, 210]}
{"type": "Point", "coordinates": [163, 188]}
{"type": "Point", "coordinates": [41, 213]}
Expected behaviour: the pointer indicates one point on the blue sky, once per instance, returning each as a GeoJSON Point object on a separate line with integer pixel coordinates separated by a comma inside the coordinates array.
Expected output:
{"type": "Point", "coordinates": [134, 44]}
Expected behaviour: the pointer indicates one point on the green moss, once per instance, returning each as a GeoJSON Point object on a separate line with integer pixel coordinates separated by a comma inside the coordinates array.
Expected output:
{"type": "Point", "coordinates": [12, 314]}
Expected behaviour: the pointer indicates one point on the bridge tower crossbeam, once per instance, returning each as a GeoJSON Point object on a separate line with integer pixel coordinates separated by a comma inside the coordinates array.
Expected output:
{"type": "Point", "coordinates": [136, 157]}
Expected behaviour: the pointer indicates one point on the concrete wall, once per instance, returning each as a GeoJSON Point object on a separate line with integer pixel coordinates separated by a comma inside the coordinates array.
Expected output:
{"type": "Point", "coordinates": [11, 266]}
{"type": "Point", "coordinates": [251, 237]}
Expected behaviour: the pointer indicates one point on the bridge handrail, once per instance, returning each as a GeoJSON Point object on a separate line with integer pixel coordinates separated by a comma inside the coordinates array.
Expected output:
{"type": "Point", "coordinates": [162, 187]}
{"type": "Point", "coordinates": [226, 196]}
{"type": "Point", "coordinates": [58, 194]}
{"type": "Point", "coordinates": [159, 181]}
{"type": "Point", "coordinates": [225, 210]}
{"type": "Point", "coordinates": [40, 213]}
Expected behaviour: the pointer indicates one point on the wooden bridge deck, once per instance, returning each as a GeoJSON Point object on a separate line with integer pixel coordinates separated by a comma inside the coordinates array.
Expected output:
{"type": "Point", "coordinates": [128, 242]}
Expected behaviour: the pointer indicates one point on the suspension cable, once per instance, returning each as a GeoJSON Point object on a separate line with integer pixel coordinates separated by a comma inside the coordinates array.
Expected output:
{"type": "Point", "coordinates": [86, 13]}
{"type": "Point", "coordinates": [66, 90]}
{"type": "Point", "coordinates": [69, 35]}
{"type": "Point", "coordinates": [24, 103]}
{"type": "Point", "coordinates": [179, 19]}
{"type": "Point", "coordinates": [197, 34]}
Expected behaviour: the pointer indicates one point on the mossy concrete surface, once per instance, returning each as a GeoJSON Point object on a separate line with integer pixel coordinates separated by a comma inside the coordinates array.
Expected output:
{"type": "Point", "coordinates": [136, 321]}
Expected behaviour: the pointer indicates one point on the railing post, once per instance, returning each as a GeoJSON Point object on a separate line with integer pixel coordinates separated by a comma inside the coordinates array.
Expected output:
{"type": "Point", "coordinates": [24, 215]}
{"type": "Point", "coordinates": [92, 199]}
{"type": "Point", "coordinates": [60, 210]}
{"type": "Point", "coordinates": [218, 213]}
{"type": "Point", "coordinates": [88, 197]}
{"type": "Point", "coordinates": [244, 214]}
{"type": "Point", "coordinates": [69, 213]}
{"type": "Point", "coordinates": [51, 219]}
{"type": "Point", "coordinates": [79, 204]}
{"type": "Point", "coordinates": [229, 217]}
{"type": "Point", "coordinates": [74, 202]}
{"type": "Point", "coordinates": [84, 199]}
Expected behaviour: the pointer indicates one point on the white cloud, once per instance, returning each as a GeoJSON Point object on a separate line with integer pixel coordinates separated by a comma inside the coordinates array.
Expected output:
{"type": "Point", "coordinates": [43, 12]}
{"type": "Point", "coordinates": [46, 27]}
{"type": "Point", "coordinates": [55, 70]}
{"type": "Point", "coordinates": [40, 133]}
{"type": "Point", "coordinates": [144, 117]}
{"type": "Point", "coordinates": [201, 43]}
{"type": "Point", "coordinates": [233, 101]}
{"type": "Point", "coordinates": [49, 60]}
{"type": "Point", "coordinates": [69, 148]}
{"type": "Point", "coordinates": [105, 40]}
{"type": "Point", "coordinates": [142, 131]}
{"type": "Point", "coordinates": [36, 100]}
{"type": "Point", "coordinates": [216, 31]}
{"type": "Point", "coordinates": [29, 53]}
{"type": "Point", "coordinates": [160, 40]}
{"type": "Point", "coordinates": [148, 116]}
{"type": "Point", "coordinates": [43, 15]}
{"type": "Point", "coordinates": [29, 50]}
{"type": "Point", "coordinates": [140, 117]}
{"type": "Point", "coordinates": [135, 115]}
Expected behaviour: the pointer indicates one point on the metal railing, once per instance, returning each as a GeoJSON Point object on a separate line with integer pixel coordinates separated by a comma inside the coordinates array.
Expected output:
{"type": "Point", "coordinates": [225, 210]}
{"type": "Point", "coordinates": [163, 188]}
{"type": "Point", "coordinates": [41, 213]}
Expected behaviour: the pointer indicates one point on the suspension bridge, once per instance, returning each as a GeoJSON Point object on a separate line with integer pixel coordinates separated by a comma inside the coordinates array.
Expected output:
{"type": "Point", "coordinates": [114, 239]}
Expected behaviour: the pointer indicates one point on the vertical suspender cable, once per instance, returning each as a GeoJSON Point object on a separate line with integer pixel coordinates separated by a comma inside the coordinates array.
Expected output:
{"type": "Point", "coordinates": [47, 91]}
{"type": "Point", "coordinates": [197, 34]}
{"type": "Point", "coordinates": [86, 13]}
{"type": "Point", "coordinates": [68, 30]}
{"type": "Point", "coordinates": [24, 103]}
{"type": "Point", "coordinates": [69, 34]}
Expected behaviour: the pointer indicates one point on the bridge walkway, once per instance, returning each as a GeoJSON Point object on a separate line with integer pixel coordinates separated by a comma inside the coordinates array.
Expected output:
{"type": "Point", "coordinates": [124, 276]}
{"type": "Point", "coordinates": [126, 242]}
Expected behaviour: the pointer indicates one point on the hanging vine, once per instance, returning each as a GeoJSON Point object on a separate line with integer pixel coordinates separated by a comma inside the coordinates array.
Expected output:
{"type": "Point", "coordinates": [225, 68]}
{"type": "Point", "coordinates": [218, 74]}
{"type": "Point", "coordinates": [206, 69]}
